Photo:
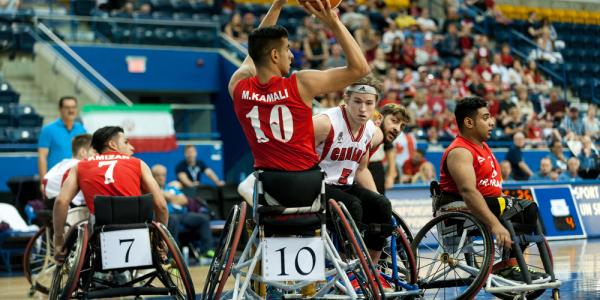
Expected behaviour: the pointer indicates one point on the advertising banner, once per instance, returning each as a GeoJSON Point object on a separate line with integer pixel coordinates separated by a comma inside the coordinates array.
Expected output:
{"type": "Point", "coordinates": [413, 206]}
{"type": "Point", "coordinates": [588, 202]}
{"type": "Point", "coordinates": [558, 212]}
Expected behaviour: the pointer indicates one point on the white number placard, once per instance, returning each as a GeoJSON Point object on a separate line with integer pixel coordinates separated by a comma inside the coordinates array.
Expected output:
{"type": "Point", "coordinates": [125, 248]}
{"type": "Point", "coordinates": [293, 259]}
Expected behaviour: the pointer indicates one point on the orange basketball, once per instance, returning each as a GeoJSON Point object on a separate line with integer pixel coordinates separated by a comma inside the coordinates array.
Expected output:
{"type": "Point", "coordinates": [334, 3]}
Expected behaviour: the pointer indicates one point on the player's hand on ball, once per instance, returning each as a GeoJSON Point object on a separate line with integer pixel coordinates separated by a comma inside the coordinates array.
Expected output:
{"type": "Point", "coordinates": [321, 9]}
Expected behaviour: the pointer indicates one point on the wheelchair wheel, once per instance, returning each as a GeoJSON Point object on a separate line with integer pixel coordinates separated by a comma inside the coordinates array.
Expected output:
{"type": "Point", "coordinates": [449, 250]}
{"type": "Point", "coordinates": [353, 248]}
{"type": "Point", "coordinates": [220, 266]}
{"type": "Point", "coordinates": [175, 274]}
{"type": "Point", "coordinates": [66, 276]}
{"type": "Point", "coordinates": [532, 256]}
{"type": "Point", "coordinates": [402, 225]}
{"type": "Point", "coordinates": [38, 263]}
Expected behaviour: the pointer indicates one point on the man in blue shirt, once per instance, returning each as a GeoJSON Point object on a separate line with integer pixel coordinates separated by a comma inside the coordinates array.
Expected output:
{"type": "Point", "coordinates": [545, 173]}
{"type": "Point", "coordinates": [572, 171]}
{"type": "Point", "coordinates": [190, 170]}
{"type": "Point", "coordinates": [54, 144]}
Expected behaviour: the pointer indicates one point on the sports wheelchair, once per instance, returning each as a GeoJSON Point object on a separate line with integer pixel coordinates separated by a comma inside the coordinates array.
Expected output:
{"type": "Point", "coordinates": [38, 263]}
{"type": "Point", "coordinates": [121, 252]}
{"type": "Point", "coordinates": [295, 251]}
{"type": "Point", "coordinates": [456, 252]}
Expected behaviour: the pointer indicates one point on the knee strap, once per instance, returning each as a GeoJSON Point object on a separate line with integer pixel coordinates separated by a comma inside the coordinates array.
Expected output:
{"type": "Point", "coordinates": [381, 230]}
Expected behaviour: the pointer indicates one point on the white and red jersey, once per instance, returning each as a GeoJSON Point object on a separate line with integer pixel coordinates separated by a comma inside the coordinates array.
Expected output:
{"type": "Point", "coordinates": [277, 123]}
{"type": "Point", "coordinates": [341, 152]}
{"type": "Point", "coordinates": [109, 174]}
{"type": "Point", "coordinates": [54, 179]}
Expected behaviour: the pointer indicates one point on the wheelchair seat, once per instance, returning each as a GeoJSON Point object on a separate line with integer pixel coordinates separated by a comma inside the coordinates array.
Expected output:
{"type": "Point", "coordinates": [123, 210]}
{"type": "Point", "coordinates": [289, 201]}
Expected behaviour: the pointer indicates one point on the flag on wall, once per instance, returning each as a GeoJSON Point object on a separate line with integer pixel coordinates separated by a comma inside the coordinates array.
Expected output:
{"type": "Point", "coordinates": [149, 127]}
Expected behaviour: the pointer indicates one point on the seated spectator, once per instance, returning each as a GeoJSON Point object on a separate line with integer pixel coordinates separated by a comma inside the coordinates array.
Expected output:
{"type": "Point", "coordinates": [336, 59]}
{"type": "Point", "coordinates": [391, 81]}
{"type": "Point", "coordinates": [425, 175]}
{"type": "Point", "coordinates": [475, 86]}
{"type": "Point", "coordinates": [484, 70]}
{"type": "Point", "coordinates": [190, 170]}
{"type": "Point", "coordinates": [557, 156]}
{"type": "Point", "coordinates": [505, 56]}
{"type": "Point", "coordinates": [498, 68]}
{"type": "Point", "coordinates": [422, 113]}
{"type": "Point", "coordinates": [331, 100]}
{"type": "Point", "coordinates": [483, 49]}
{"type": "Point", "coordinates": [513, 122]}
{"type": "Point", "coordinates": [395, 55]}
{"type": "Point", "coordinates": [506, 103]}
{"type": "Point", "coordinates": [390, 34]}
{"type": "Point", "coordinates": [572, 123]}
{"type": "Point", "coordinates": [425, 22]}
{"type": "Point", "coordinates": [534, 27]}
{"type": "Point", "coordinates": [427, 55]}
{"type": "Point", "coordinates": [591, 122]}
{"type": "Point", "coordinates": [546, 172]}
{"type": "Point", "coordinates": [465, 39]}
{"type": "Point", "coordinates": [524, 104]}
{"type": "Point", "coordinates": [535, 81]}
{"type": "Point", "coordinates": [534, 130]}
{"type": "Point", "coordinates": [520, 169]}
{"type": "Point", "coordinates": [589, 159]}
{"type": "Point", "coordinates": [572, 172]}
{"type": "Point", "coordinates": [404, 20]}
{"type": "Point", "coordinates": [515, 74]}
{"type": "Point", "coordinates": [379, 66]}
{"type": "Point", "coordinates": [412, 166]}
{"type": "Point", "coordinates": [9, 6]}
{"type": "Point", "coordinates": [450, 50]}
{"type": "Point", "coordinates": [409, 53]}
{"type": "Point", "coordinates": [506, 169]}
{"type": "Point", "coordinates": [144, 12]}
{"type": "Point", "coordinates": [556, 107]}
{"type": "Point", "coordinates": [368, 39]}
{"type": "Point", "coordinates": [235, 30]}
{"type": "Point", "coordinates": [351, 18]}
{"type": "Point", "coordinates": [180, 219]}
{"type": "Point", "coordinates": [390, 97]}
{"type": "Point", "coordinates": [316, 49]}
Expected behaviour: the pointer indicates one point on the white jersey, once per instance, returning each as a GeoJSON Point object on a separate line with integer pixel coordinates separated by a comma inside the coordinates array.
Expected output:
{"type": "Point", "coordinates": [54, 180]}
{"type": "Point", "coordinates": [341, 152]}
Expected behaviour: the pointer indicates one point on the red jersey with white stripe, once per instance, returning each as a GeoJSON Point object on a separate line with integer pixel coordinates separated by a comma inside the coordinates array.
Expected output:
{"type": "Point", "coordinates": [277, 123]}
{"type": "Point", "coordinates": [342, 151]}
{"type": "Point", "coordinates": [487, 170]}
{"type": "Point", "coordinates": [109, 174]}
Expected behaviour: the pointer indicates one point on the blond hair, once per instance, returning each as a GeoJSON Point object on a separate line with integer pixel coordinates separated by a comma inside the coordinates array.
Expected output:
{"type": "Point", "coordinates": [369, 80]}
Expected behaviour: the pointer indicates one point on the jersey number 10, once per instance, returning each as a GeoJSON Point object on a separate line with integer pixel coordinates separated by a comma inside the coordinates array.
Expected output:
{"type": "Point", "coordinates": [280, 121]}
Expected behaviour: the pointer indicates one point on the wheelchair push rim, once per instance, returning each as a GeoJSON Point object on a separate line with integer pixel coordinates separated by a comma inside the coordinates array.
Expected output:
{"type": "Point", "coordinates": [71, 267]}
{"type": "Point", "coordinates": [38, 263]}
{"type": "Point", "coordinates": [453, 244]}
{"type": "Point", "coordinates": [220, 267]}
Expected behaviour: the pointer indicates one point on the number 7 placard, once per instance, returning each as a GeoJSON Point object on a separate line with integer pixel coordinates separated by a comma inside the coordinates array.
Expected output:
{"type": "Point", "coordinates": [125, 248]}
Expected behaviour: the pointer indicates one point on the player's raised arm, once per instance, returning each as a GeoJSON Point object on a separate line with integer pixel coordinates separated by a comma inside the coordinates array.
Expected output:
{"type": "Point", "coordinates": [247, 68]}
{"type": "Point", "coordinates": [314, 82]}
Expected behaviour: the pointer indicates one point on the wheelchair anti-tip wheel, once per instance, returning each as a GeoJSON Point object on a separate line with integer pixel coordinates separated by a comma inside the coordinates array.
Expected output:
{"type": "Point", "coordinates": [66, 275]}
{"type": "Point", "coordinates": [353, 247]}
{"type": "Point", "coordinates": [454, 254]}
{"type": "Point", "coordinates": [220, 266]}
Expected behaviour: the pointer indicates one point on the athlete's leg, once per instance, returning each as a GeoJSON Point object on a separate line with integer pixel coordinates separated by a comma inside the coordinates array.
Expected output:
{"type": "Point", "coordinates": [352, 203]}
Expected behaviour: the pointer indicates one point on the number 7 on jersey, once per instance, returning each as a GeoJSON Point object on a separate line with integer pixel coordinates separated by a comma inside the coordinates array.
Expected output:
{"type": "Point", "coordinates": [108, 175]}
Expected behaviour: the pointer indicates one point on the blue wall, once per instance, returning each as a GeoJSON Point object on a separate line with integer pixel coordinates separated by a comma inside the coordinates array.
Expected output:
{"type": "Point", "coordinates": [167, 70]}
{"type": "Point", "coordinates": [209, 153]}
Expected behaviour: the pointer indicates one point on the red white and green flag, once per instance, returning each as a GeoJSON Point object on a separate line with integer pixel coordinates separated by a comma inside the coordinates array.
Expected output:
{"type": "Point", "coordinates": [149, 127]}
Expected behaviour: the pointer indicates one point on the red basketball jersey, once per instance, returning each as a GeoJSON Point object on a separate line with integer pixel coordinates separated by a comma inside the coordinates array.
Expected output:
{"type": "Point", "coordinates": [277, 123]}
{"type": "Point", "coordinates": [109, 174]}
{"type": "Point", "coordinates": [487, 170]}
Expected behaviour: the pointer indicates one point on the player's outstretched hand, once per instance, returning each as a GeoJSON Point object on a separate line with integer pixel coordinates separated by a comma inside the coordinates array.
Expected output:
{"type": "Point", "coordinates": [321, 9]}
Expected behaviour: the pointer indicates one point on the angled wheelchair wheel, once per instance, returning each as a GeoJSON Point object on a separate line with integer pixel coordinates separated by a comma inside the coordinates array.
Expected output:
{"type": "Point", "coordinates": [220, 266]}
{"type": "Point", "coordinates": [454, 254]}
{"type": "Point", "coordinates": [173, 272]}
{"type": "Point", "coordinates": [533, 258]}
{"type": "Point", "coordinates": [66, 276]}
{"type": "Point", "coordinates": [405, 262]}
{"type": "Point", "coordinates": [38, 263]}
{"type": "Point", "coordinates": [354, 248]}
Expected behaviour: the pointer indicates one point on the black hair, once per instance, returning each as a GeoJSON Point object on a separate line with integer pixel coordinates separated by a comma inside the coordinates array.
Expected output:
{"type": "Point", "coordinates": [103, 135]}
{"type": "Point", "coordinates": [262, 40]}
{"type": "Point", "coordinates": [64, 98]}
{"type": "Point", "coordinates": [467, 108]}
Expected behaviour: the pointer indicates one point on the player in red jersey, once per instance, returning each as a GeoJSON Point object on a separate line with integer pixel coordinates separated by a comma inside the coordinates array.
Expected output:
{"type": "Point", "coordinates": [112, 172]}
{"type": "Point", "coordinates": [274, 111]}
{"type": "Point", "coordinates": [480, 186]}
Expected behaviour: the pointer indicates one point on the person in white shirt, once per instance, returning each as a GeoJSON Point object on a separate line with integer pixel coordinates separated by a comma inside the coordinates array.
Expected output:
{"type": "Point", "coordinates": [82, 149]}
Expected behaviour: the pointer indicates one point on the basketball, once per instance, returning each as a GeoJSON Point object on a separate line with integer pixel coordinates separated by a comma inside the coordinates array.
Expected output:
{"type": "Point", "coordinates": [334, 3]}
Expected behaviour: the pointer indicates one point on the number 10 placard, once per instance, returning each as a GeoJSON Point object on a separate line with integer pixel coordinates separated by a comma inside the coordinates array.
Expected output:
{"type": "Point", "coordinates": [293, 259]}
{"type": "Point", "coordinates": [125, 248]}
